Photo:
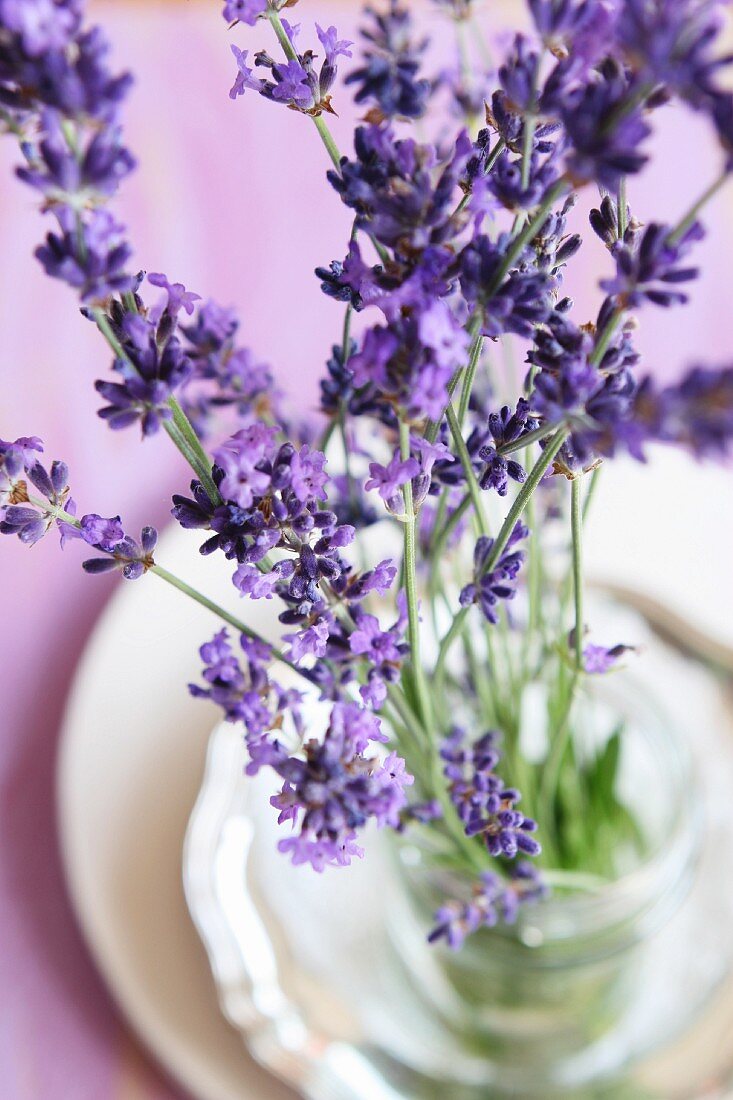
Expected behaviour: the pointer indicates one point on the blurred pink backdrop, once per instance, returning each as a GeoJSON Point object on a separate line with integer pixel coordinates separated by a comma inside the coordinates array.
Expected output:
{"type": "Point", "coordinates": [230, 199]}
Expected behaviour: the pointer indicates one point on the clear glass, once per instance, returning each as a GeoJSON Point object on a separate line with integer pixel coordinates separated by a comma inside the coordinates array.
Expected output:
{"type": "Point", "coordinates": [622, 992]}
{"type": "Point", "coordinates": [551, 1003]}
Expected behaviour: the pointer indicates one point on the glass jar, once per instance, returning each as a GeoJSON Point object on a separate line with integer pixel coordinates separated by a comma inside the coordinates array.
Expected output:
{"type": "Point", "coordinates": [582, 987]}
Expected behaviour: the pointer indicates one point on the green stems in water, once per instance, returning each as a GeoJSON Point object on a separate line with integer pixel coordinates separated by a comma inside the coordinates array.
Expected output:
{"type": "Point", "coordinates": [410, 570]}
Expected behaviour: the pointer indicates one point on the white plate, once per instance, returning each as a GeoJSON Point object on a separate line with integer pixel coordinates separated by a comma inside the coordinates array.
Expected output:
{"type": "Point", "coordinates": [133, 746]}
{"type": "Point", "coordinates": [132, 758]}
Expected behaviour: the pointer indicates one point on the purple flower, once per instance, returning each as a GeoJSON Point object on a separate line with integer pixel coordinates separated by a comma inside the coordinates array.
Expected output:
{"type": "Point", "coordinates": [178, 297]}
{"type": "Point", "coordinates": [104, 534]}
{"type": "Point", "coordinates": [389, 76]}
{"type": "Point", "coordinates": [244, 11]}
{"type": "Point", "coordinates": [395, 365]}
{"type": "Point", "coordinates": [486, 807]}
{"type": "Point", "coordinates": [42, 26]}
{"type": "Point", "coordinates": [29, 519]}
{"type": "Point", "coordinates": [442, 333]}
{"type": "Point", "coordinates": [649, 268]}
{"type": "Point", "coordinates": [90, 255]}
{"type": "Point", "coordinates": [223, 373]}
{"type": "Point", "coordinates": [150, 375]}
{"type": "Point", "coordinates": [334, 48]}
{"type": "Point", "coordinates": [506, 429]}
{"type": "Point", "coordinates": [75, 178]}
{"type": "Point", "coordinates": [388, 480]}
{"type": "Point", "coordinates": [370, 641]}
{"type": "Point", "coordinates": [669, 42]}
{"type": "Point", "coordinates": [295, 81]}
{"type": "Point", "coordinates": [518, 75]}
{"type": "Point", "coordinates": [311, 642]}
{"type": "Point", "coordinates": [493, 899]}
{"type": "Point", "coordinates": [378, 580]}
{"type": "Point", "coordinates": [15, 459]}
{"type": "Point", "coordinates": [239, 460]}
{"type": "Point", "coordinates": [131, 558]}
{"type": "Point", "coordinates": [604, 127]}
{"type": "Point", "coordinates": [307, 474]}
{"type": "Point", "coordinates": [384, 650]}
{"type": "Point", "coordinates": [244, 692]}
{"type": "Point", "coordinates": [292, 85]}
{"type": "Point", "coordinates": [512, 303]}
{"type": "Point", "coordinates": [401, 192]}
{"type": "Point", "coordinates": [508, 187]}
{"type": "Point", "coordinates": [565, 394]}
{"type": "Point", "coordinates": [598, 659]}
{"type": "Point", "coordinates": [580, 26]}
{"type": "Point", "coordinates": [244, 78]}
{"type": "Point", "coordinates": [696, 412]}
{"type": "Point", "coordinates": [334, 789]}
{"type": "Point", "coordinates": [722, 115]}
{"type": "Point", "coordinates": [496, 583]}
{"type": "Point", "coordinates": [251, 582]}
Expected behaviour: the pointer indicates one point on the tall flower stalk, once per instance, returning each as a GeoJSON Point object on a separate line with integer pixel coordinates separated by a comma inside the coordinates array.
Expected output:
{"type": "Point", "coordinates": [460, 246]}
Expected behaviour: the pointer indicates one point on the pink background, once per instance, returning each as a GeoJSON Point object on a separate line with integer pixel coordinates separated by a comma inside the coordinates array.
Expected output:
{"type": "Point", "coordinates": [231, 200]}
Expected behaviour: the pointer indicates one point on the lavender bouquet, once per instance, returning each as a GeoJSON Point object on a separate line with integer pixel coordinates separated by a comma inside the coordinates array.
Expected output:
{"type": "Point", "coordinates": [457, 256]}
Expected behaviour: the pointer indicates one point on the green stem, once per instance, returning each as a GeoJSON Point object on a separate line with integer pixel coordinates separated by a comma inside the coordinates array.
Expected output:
{"type": "Point", "coordinates": [202, 463]}
{"type": "Point", "coordinates": [531, 437]}
{"type": "Point", "coordinates": [576, 524]}
{"type": "Point", "coordinates": [105, 328]}
{"type": "Point", "coordinates": [193, 593]}
{"type": "Point", "coordinates": [595, 477]}
{"type": "Point", "coordinates": [621, 208]}
{"type": "Point", "coordinates": [225, 616]}
{"type": "Point", "coordinates": [452, 522]}
{"type": "Point", "coordinates": [410, 569]}
{"type": "Point", "coordinates": [522, 498]}
{"type": "Point", "coordinates": [553, 764]}
{"type": "Point", "coordinates": [327, 138]}
{"type": "Point", "coordinates": [473, 486]}
{"type": "Point", "coordinates": [695, 209]}
{"type": "Point", "coordinates": [604, 338]}
{"type": "Point", "coordinates": [477, 343]}
{"type": "Point", "coordinates": [329, 430]}
{"type": "Point", "coordinates": [520, 503]}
